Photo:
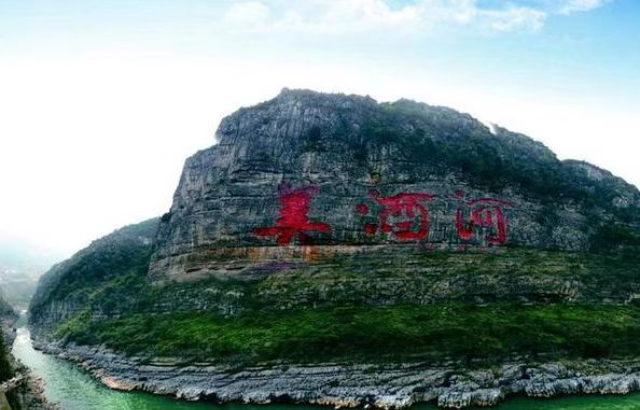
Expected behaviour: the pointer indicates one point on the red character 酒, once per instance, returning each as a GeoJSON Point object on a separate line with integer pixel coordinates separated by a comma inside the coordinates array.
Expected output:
{"type": "Point", "coordinates": [408, 207]}
{"type": "Point", "coordinates": [293, 220]}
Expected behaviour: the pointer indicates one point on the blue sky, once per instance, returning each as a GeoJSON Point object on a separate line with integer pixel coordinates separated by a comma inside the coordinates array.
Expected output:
{"type": "Point", "coordinates": [103, 100]}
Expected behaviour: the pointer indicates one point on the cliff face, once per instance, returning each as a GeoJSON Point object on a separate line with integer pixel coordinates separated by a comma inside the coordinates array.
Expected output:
{"type": "Point", "coordinates": [309, 173]}
{"type": "Point", "coordinates": [8, 317]}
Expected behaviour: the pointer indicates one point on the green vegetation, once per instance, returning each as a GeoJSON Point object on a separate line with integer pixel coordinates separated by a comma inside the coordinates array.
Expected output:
{"type": "Point", "coordinates": [6, 370]}
{"type": "Point", "coordinates": [435, 140]}
{"type": "Point", "coordinates": [373, 278]}
{"type": "Point", "coordinates": [389, 333]}
{"type": "Point", "coordinates": [125, 252]}
{"type": "Point", "coordinates": [312, 141]}
{"type": "Point", "coordinates": [369, 307]}
{"type": "Point", "coordinates": [615, 235]}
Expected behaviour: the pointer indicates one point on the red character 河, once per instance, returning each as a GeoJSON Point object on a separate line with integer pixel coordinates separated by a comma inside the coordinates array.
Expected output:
{"type": "Point", "coordinates": [485, 213]}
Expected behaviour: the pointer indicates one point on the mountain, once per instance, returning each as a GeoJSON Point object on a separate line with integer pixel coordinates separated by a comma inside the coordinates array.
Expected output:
{"type": "Point", "coordinates": [336, 153]}
{"type": "Point", "coordinates": [68, 287]}
{"type": "Point", "coordinates": [335, 250]}
{"type": "Point", "coordinates": [19, 254]}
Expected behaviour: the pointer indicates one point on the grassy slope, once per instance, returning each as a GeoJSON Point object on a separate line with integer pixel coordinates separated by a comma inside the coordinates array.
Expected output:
{"type": "Point", "coordinates": [378, 334]}
{"type": "Point", "coordinates": [294, 316]}
{"type": "Point", "coordinates": [123, 253]}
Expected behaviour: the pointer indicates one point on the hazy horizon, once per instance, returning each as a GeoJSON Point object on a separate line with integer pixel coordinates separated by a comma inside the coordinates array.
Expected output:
{"type": "Point", "coordinates": [103, 103]}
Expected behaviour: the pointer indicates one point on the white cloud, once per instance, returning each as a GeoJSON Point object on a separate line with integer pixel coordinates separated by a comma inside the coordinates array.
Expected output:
{"type": "Point", "coordinates": [319, 16]}
{"type": "Point", "coordinates": [573, 6]}
{"type": "Point", "coordinates": [339, 16]}
{"type": "Point", "coordinates": [249, 13]}
{"type": "Point", "coordinates": [512, 19]}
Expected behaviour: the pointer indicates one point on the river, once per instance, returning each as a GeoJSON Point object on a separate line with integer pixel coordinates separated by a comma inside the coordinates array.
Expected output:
{"type": "Point", "coordinates": [74, 389]}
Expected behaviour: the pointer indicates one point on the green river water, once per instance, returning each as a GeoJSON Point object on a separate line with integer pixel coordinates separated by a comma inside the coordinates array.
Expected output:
{"type": "Point", "coordinates": [74, 389]}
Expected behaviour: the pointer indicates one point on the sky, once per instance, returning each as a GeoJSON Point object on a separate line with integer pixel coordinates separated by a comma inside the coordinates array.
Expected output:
{"type": "Point", "coordinates": [102, 101]}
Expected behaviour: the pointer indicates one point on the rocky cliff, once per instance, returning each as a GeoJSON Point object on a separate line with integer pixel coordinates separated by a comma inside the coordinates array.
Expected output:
{"type": "Point", "coordinates": [341, 173]}
{"type": "Point", "coordinates": [331, 230]}
{"type": "Point", "coordinates": [8, 317]}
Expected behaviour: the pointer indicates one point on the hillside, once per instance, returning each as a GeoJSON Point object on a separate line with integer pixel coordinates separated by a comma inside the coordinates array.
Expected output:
{"type": "Point", "coordinates": [325, 228]}
{"type": "Point", "coordinates": [68, 287]}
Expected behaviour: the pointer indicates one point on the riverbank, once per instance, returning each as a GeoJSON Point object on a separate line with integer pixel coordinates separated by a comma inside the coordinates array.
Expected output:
{"type": "Point", "coordinates": [337, 385]}
{"type": "Point", "coordinates": [19, 387]}
{"type": "Point", "coordinates": [71, 388]}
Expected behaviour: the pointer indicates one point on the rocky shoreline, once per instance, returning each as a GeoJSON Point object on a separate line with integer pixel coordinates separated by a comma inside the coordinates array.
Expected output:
{"type": "Point", "coordinates": [33, 396]}
{"type": "Point", "coordinates": [337, 385]}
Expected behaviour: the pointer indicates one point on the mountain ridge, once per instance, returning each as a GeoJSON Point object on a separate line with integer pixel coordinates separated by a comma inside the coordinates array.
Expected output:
{"type": "Point", "coordinates": [389, 143]}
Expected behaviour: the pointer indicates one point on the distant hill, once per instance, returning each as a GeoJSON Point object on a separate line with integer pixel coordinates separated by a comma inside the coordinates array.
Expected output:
{"type": "Point", "coordinates": [21, 265]}
{"type": "Point", "coordinates": [18, 254]}
{"type": "Point", "coordinates": [67, 288]}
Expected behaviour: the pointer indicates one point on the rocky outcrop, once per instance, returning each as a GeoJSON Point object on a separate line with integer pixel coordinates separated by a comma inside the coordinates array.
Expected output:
{"type": "Point", "coordinates": [355, 172]}
{"type": "Point", "coordinates": [8, 317]}
{"type": "Point", "coordinates": [342, 385]}
{"type": "Point", "coordinates": [26, 392]}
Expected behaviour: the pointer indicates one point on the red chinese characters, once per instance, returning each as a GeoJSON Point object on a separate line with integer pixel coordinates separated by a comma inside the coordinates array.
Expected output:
{"type": "Point", "coordinates": [293, 220]}
{"type": "Point", "coordinates": [483, 213]}
{"type": "Point", "coordinates": [404, 215]}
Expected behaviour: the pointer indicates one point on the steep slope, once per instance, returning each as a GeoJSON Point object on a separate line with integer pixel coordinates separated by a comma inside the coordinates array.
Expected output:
{"type": "Point", "coordinates": [67, 288]}
{"type": "Point", "coordinates": [350, 160]}
{"type": "Point", "coordinates": [325, 228]}
{"type": "Point", "coordinates": [8, 317]}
